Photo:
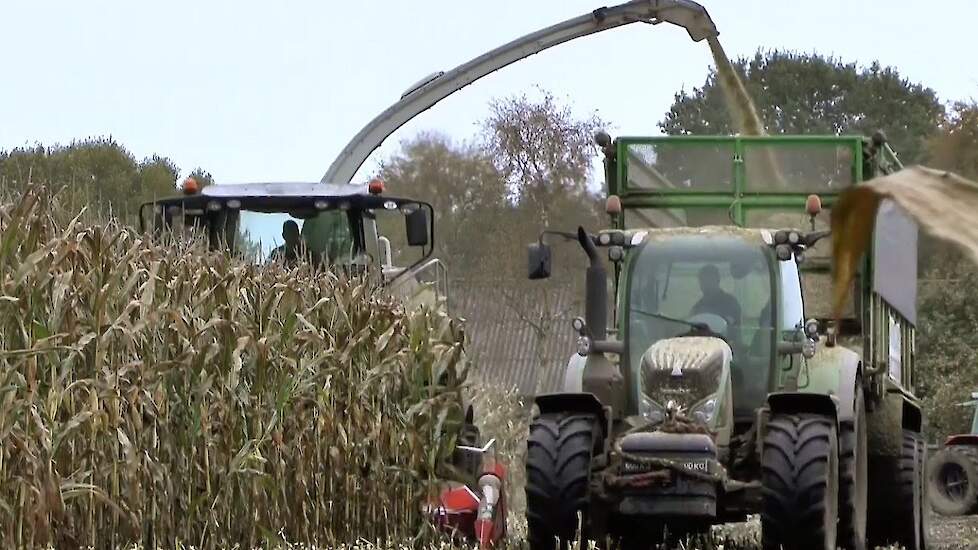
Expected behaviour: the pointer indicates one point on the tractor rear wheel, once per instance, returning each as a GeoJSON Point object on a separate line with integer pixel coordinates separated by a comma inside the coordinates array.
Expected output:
{"type": "Point", "coordinates": [909, 488]}
{"type": "Point", "coordinates": [925, 510]}
{"type": "Point", "coordinates": [853, 479]}
{"type": "Point", "coordinates": [952, 479]}
{"type": "Point", "coordinates": [800, 480]}
{"type": "Point", "coordinates": [897, 505]}
{"type": "Point", "coordinates": [558, 466]}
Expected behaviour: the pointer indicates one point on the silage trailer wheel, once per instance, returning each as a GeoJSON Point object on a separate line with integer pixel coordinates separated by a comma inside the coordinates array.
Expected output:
{"type": "Point", "coordinates": [952, 478]}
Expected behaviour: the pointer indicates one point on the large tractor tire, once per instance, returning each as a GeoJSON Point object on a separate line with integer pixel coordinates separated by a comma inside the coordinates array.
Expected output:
{"type": "Point", "coordinates": [800, 479]}
{"type": "Point", "coordinates": [558, 466]}
{"type": "Point", "coordinates": [853, 479]}
{"type": "Point", "coordinates": [952, 479]}
{"type": "Point", "coordinates": [898, 511]}
{"type": "Point", "coordinates": [910, 488]}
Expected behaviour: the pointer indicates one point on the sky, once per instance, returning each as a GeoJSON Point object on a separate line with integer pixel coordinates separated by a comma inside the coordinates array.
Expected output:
{"type": "Point", "coordinates": [264, 91]}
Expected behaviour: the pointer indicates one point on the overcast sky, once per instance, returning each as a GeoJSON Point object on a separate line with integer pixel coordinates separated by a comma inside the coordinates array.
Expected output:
{"type": "Point", "coordinates": [259, 91]}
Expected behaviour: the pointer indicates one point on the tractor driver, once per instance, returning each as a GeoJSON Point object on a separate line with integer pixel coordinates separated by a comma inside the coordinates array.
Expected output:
{"type": "Point", "coordinates": [716, 300]}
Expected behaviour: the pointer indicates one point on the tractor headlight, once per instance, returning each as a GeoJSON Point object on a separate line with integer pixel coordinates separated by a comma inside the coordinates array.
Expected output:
{"type": "Point", "coordinates": [583, 346]}
{"type": "Point", "coordinates": [650, 410]}
{"type": "Point", "coordinates": [705, 410]}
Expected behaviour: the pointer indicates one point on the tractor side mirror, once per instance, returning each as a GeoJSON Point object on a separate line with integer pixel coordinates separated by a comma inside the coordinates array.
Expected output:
{"type": "Point", "coordinates": [417, 228]}
{"type": "Point", "coordinates": [538, 261]}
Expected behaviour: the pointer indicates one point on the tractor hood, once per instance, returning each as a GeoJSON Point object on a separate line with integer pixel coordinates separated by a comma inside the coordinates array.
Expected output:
{"type": "Point", "coordinates": [686, 370]}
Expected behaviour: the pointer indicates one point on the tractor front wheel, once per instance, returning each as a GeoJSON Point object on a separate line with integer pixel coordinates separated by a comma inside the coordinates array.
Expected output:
{"type": "Point", "coordinates": [558, 465]}
{"type": "Point", "coordinates": [800, 480]}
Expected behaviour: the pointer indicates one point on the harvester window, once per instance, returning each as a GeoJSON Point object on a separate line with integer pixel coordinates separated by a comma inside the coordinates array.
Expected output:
{"type": "Point", "coordinates": [328, 234]}
{"type": "Point", "coordinates": [261, 233]}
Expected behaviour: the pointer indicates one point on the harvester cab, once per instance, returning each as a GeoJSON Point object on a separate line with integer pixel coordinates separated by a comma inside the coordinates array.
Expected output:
{"type": "Point", "coordinates": [346, 227]}
{"type": "Point", "coordinates": [716, 383]}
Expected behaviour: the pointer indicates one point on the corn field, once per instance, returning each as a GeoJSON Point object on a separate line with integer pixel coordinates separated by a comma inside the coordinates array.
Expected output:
{"type": "Point", "coordinates": [162, 395]}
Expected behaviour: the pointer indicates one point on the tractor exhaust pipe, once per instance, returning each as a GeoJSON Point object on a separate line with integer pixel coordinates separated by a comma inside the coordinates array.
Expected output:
{"type": "Point", "coordinates": [596, 298]}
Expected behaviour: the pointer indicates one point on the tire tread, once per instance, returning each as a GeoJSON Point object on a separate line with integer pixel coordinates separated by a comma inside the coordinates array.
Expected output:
{"type": "Point", "coordinates": [797, 471]}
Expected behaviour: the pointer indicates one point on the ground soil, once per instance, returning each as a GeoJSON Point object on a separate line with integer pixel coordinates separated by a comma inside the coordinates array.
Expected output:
{"type": "Point", "coordinates": [945, 534]}
{"type": "Point", "coordinates": [954, 533]}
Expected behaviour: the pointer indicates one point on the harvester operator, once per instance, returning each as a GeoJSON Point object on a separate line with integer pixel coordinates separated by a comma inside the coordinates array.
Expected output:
{"type": "Point", "coordinates": [289, 251]}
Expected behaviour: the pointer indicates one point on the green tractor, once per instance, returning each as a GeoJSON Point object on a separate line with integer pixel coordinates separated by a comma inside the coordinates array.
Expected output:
{"type": "Point", "coordinates": [952, 473]}
{"type": "Point", "coordinates": [722, 386]}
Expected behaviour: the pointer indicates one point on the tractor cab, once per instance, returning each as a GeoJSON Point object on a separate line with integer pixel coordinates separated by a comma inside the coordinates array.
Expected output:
{"type": "Point", "coordinates": [716, 282]}
{"type": "Point", "coordinates": [349, 228]}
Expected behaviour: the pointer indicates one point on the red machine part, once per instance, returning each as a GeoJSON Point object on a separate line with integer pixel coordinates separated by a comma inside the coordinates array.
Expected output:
{"type": "Point", "coordinates": [962, 439]}
{"type": "Point", "coordinates": [478, 516]}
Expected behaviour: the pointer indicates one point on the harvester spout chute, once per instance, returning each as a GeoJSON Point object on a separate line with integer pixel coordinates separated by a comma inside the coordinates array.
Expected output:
{"type": "Point", "coordinates": [684, 13]}
{"type": "Point", "coordinates": [689, 15]}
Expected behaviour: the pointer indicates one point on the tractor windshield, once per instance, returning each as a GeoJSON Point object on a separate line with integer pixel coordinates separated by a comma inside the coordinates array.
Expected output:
{"type": "Point", "coordinates": [722, 281]}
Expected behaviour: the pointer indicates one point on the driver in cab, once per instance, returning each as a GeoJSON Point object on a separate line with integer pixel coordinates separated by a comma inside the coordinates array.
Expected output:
{"type": "Point", "coordinates": [715, 300]}
{"type": "Point", "coordinates": [290, 251]}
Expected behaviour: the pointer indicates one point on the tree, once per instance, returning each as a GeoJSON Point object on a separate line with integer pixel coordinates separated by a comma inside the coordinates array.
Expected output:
{"type": "Point", "coordinates": [98, 173]}
{"type": "Point", "coordinates": [203, 177]}
{"type": "Point", "coordinates": [465, 189]}
{"type": "Point", "coordinates": [544, 151]}
{"type": "Point", "coordinates": [528, 169]}
{"type": "Point", "coordinates": [812, 94]}
{"type": "Point", "coordinates": [955, 147]}
{"type": "Point", "coordinates": [947, 344]}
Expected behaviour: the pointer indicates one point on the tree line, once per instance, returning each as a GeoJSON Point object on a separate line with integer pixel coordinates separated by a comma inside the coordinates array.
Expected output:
{"type": "Point", "coordinates": [98, 173]}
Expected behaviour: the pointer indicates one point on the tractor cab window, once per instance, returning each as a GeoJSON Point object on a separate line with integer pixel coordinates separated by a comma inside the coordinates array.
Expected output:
{"type": "Point", "coordinates": [723, 282]}
{"type": "Point", "coordinates": [792, 306]}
